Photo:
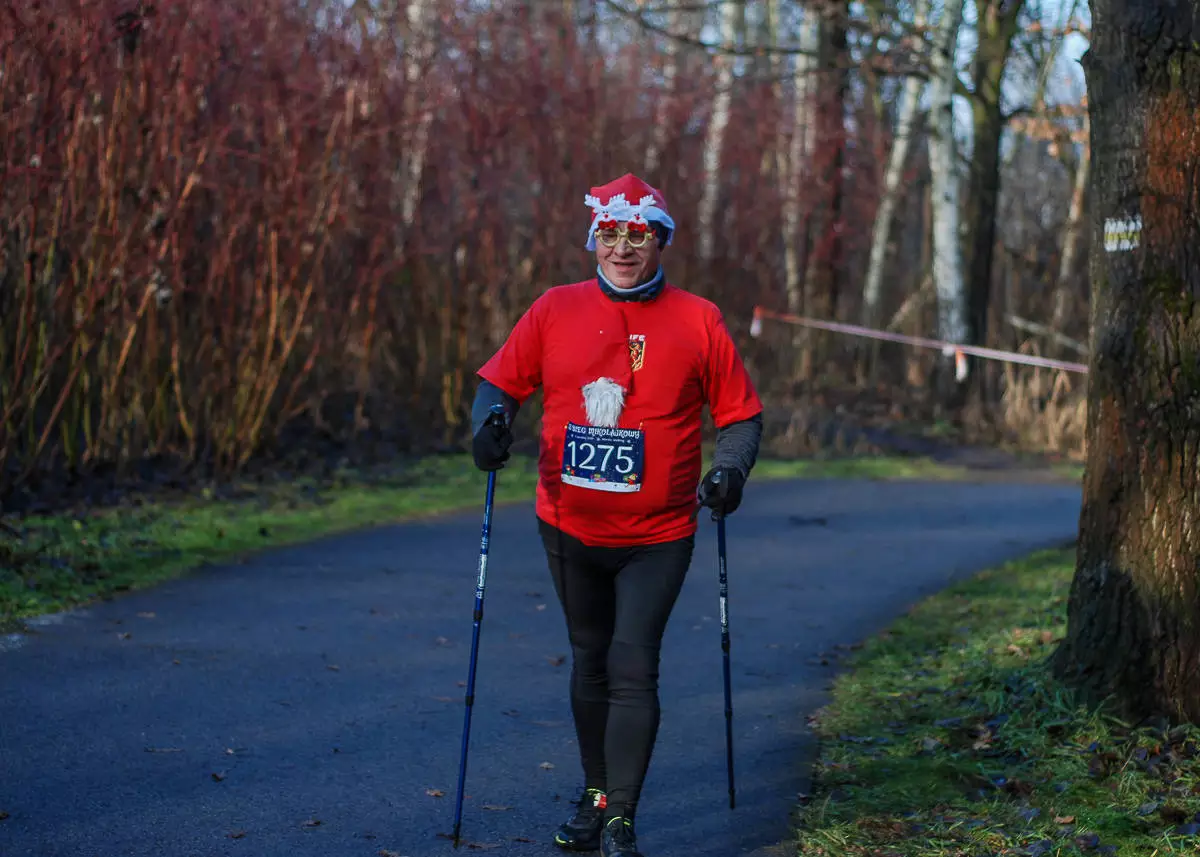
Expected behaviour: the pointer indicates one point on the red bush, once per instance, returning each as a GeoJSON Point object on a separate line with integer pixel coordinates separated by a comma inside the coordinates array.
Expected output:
{"type": "Point", "coordinates": [220, 220]}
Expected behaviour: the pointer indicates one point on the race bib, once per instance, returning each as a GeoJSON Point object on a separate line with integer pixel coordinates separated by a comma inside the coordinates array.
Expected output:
{"type": "Point", "coordinates": [603, 459]}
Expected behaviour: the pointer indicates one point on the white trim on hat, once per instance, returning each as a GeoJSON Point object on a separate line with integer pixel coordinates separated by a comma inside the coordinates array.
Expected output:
{"type": "Point", "coordinates": [618, 208]}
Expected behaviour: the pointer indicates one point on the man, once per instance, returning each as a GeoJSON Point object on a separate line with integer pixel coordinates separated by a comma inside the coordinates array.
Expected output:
{"type": "Point", "coordinates": [626, 362]}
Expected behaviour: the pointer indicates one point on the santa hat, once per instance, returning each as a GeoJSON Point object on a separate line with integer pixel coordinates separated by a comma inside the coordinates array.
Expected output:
{"type": "Point", "coordinates": [627, 199]}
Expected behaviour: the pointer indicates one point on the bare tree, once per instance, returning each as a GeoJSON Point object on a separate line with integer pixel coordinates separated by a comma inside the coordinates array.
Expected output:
{"type": "Point", "coordinates": [996, 23]}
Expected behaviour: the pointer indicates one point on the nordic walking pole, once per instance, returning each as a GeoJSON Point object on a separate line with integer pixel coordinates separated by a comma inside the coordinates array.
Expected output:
{"type": "Point", "coordinates": [497, 414]}
{"type": "Point", "coordinates": [724, 581]}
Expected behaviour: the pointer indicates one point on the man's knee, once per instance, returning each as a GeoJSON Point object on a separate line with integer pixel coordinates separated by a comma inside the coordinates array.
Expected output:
{"type": "Point", "coordinates": [632, 670]}
{"type": "Point", "coordinates": [590, 658]}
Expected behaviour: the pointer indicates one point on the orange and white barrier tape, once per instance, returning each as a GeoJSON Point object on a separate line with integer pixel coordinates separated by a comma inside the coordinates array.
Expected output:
{"type": "Point", "coordinates": [958, 351]}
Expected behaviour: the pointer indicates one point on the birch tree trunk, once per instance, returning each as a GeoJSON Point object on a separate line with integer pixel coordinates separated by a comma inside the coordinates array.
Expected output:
{"type": "Point", "coordinates": [797, 162]}
{"type": "Point", "coordinates": [1133, 616]}
{"type": "Point", "coordinates": [417, 114]}
{"type": "Point", "coordinates": [897, 158]}
{"type": "Point", "coordinates": [715, 137]}
{"type": "Point", "coordinates": [947, 261]}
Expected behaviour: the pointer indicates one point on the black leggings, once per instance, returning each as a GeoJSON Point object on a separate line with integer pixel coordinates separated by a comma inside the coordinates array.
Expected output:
{"type": "Point", "coordinates": [616, 602]}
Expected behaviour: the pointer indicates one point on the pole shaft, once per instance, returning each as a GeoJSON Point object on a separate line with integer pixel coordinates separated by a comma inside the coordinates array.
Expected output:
{"type": "Point", "coordinates": [724, 582]}
{"type": "Point", "coordinates": [477, 624]}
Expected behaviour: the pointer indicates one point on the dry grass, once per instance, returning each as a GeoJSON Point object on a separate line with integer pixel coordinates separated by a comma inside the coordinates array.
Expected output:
{"type": "Point", "coordinates": [1045, 410]}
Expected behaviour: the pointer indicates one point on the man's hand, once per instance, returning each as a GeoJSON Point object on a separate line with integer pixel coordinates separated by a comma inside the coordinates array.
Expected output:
{"type": "Point", "coordinates": [721, 490]}
{"type": "Point", "coordinates": [490, 444]}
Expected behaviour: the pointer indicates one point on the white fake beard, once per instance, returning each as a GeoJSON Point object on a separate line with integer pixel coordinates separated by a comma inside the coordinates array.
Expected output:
{"type": "Point", "coordinates": [604, 399]}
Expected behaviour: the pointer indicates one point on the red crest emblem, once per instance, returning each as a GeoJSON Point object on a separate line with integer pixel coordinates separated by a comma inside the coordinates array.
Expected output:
{"type": "Point", "coordinates": [637, 350]}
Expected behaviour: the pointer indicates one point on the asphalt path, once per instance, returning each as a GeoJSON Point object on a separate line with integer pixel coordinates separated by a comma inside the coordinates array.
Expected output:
{"type": "Point", "coordinates": [309, 701]}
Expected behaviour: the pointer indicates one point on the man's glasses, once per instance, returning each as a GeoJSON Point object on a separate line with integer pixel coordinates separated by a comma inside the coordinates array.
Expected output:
{"type": "Point", "coordinates": [636, 237]}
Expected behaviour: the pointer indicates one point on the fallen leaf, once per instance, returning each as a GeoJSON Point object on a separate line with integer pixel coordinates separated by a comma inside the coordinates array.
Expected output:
{"type": "Point", "coordinates": [461, 683]}
{"type": "Point", "coordinates": [435, 792]}
{"type": "Point", "coordinates": [1064, 819]}
{"type": "Point", "coordinates": [556, 660]}
{"type": "Point", "coordinates": [124, 636]}
{"type": "Point", "coordinates": [442, 641]}
{"type": "Point", "coordinates": [540, 607]}
{"type": "Point", "coordinates": [383, 852]}
{"type": "Point", "coordinates": [546, 766]}
{"type": "Point", "coordinates": [312, 822]}
{"type": "Point", "coordinates": [482, 846]}
{"type": "Point", "coordinates": [523, 839]}
{"type": "Point", "coordinates": [218, 777]}
{"type": "Point", "coordinates": [237, 834]}
{"type": "Point", "coordinates": [176, 662]}
{"type": "Point", "coordinates": [493, 807]}
{"type": "Point", "coordinates": [333, 667]}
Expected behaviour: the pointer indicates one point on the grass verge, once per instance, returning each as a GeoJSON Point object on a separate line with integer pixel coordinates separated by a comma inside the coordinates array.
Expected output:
{"type": "Point", "coordinates": [948, 737]}
{"type": "Point", "coordinates": [53, 563]}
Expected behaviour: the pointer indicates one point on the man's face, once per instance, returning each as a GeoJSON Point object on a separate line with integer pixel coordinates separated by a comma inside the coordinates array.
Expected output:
{"type": "Point", "coordinates": [625, 266]}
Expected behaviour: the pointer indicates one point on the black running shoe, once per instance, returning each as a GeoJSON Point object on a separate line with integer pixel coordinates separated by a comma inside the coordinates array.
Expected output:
{"type": "Point", "coordinates": [582, 833]}
{"type": "Point", "coordinates": [618, 839]}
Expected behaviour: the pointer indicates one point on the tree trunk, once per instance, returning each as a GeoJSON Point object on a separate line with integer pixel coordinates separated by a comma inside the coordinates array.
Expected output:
{"type": "Point", "coordinates": [714, 140]}
{"type": "Point", "coordinates": [996, 27]}
{"type": "Point", "coordinates": [947, 262]}
{"type": "Point", "coordinates": [911, 94]}
{"type": "Point", "coordinates": [799, 163]}
{"type": "Point", "coordinates": [824, 263]}
{"type": "Point", "coordinates": [1133, 629]}
{"type": "Point", "coordinates": [417, 114]}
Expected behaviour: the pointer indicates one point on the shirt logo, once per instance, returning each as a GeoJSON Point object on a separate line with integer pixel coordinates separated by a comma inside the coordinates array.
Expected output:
{"type": "Point", "coordinates": [637, 350]}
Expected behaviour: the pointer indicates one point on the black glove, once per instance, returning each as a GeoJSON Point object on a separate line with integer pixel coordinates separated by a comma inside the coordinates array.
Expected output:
{"type": "Point", "coordinates": [721, 490]}
{"type": "Point", "coordinates": [490, 444]}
